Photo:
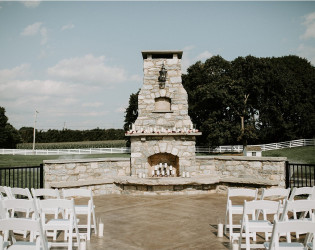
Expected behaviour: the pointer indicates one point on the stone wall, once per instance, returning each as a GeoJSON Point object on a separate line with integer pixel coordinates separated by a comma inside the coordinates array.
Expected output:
{"type": "Point", "coordinates": [211, 174]}
{"type": "Point", "coordinates": [95, 173]}
{"type": "Point", "coordinates": [241, 167]}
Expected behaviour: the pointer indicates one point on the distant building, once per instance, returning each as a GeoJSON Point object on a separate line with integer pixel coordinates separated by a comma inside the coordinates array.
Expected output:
{"type": "Point", "coordinates": [252, 151]}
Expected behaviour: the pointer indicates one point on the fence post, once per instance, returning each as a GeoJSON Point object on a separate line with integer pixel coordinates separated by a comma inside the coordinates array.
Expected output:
{"type": "Point", "coordinates": [41, 182]}
{"type": "Point", "coordinates": [287, 174]}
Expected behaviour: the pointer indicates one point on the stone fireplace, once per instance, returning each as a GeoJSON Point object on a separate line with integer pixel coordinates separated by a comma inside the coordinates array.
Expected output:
{"type": "Point", "coordinates": [163, 136]}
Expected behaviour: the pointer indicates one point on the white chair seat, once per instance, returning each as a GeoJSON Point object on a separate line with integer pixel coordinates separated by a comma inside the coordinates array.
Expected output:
{"type": "Point", "coordinates": [286, 245]}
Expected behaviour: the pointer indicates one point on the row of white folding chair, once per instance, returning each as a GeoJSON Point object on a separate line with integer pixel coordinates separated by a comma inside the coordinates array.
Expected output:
{"type": "Point", "coordinates": [251, 227]}
{"type": "Point", "coordinates": [8, 208]}
{"type": "Point", "coordinates": [278, 193]}
{"type": "Point", "coordinates": [47, 207]}
{"type": "Point", "coordinates": [87, 209]}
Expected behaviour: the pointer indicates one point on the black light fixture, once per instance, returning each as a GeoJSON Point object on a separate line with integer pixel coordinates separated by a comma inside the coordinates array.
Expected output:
{"type": "Point", "coordinates": [162, 77]}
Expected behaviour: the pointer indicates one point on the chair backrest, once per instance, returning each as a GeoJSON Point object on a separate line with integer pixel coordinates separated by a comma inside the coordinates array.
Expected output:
{"type": "Point", "coordinates": [50, 205]}
{"type": "Point", "coordinates": [25, 224]}
{"type": "Point", "coordinates": [242, 192]}
{"type": "Point", "coordinates": [265, 206]}
{"type": "Point", "coordinates": [47, 193]}
{"type": "Point", "coordinates": [298, 206]}
{"type": "Point", "coordinates": [281, 227]}
{"type": "Point", "coordinates": [17, 193]}
{"type": "Point", "coordinates": [11, 205]}
{"type": "Point", "coordinates": [301, 191]}
{"type": "Point", "coordinates": [282, 193]}
{"type": "Point", "coordinates": [3, 192]}
{"type": "Point", "coordinates": [76, 192]}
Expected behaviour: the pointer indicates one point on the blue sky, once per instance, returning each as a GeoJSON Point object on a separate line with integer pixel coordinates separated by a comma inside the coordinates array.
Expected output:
{"type": "Point", "coordinates": [77, 62]}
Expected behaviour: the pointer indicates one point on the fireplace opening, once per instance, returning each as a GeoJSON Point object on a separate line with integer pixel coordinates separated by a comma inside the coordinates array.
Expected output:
{"type": "Point", "coordinates": [163, 165]}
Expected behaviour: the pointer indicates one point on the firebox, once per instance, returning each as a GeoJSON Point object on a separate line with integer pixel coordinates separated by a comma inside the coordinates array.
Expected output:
{"type": "Point", "coordinates": [163, 136]}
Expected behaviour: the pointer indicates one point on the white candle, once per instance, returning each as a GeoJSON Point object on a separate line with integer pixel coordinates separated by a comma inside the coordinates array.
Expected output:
{"type": "Point", "coordinates": [184, 174]}
{"type": "Point", "coordinates": [165, 165]}
{"type": "Point", "coordinates": [152, 172]}
{"type": "Point", "coordinates": [187, 174]}
{"type": "Point", "coordinates": [100, 229]}
{"type": "Point", "coordinates": [158, 172]}
{"type": "Point", "coordinates": [161, 165]}
{"type": "Point", "coordinates": [168, 172]}
{"type": "Point", "coordinates": [171, 167]}
{"type": "Point", "coordinates": [139, 175]}
{"type": "Point", "coordinates": [220, 230]}
{"type": "Point", "coordinates": [143, 175]}
{"type": "Point", "coordinates": [235, 246]}
{"type": "Point", "coordinates": [156, 167]}
{"type": "Point", "coordinates": [83, 245]}
{"type": "Point", "coordinates": [163, 173]}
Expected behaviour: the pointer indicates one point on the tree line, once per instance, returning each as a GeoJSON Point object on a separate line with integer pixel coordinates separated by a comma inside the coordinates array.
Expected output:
{"type": "Point", "coordinates": [10, 137]}
{"type": "Point", "coordinates": [248, 100]}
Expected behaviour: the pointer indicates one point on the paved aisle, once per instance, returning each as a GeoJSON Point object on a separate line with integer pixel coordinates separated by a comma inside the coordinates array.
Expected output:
{"type": "Point", "coordinates": [159, 222]}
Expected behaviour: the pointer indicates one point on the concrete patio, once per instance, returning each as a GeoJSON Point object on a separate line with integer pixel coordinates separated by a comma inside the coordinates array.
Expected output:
{"type": "Point", "coordinates": [160, 222]}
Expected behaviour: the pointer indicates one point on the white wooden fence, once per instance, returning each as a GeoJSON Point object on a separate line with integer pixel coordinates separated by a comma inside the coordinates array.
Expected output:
{"type": "Point", "coordinates": [264, 147]}
{"type": "Point", "coordinates": [221, 149]}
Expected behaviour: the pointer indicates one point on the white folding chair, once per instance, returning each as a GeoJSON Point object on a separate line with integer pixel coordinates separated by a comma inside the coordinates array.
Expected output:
{"type": "Point", "coordinates": [236, 209]}
{"type": "Point", "coordinates": [87, 209]}
{"type": "Point", "coordinates": [308, 191]}
{"type": "Point", "coordinates": [275, 193]}
{"type": "Point", "coordinates": [48, 193]}
{"type": "Point", "coordinates": [68, 224]}
{"type": "Point", "coordinates": [286, 227]}
{"type": "Point", "coordinates": [13, 224]}
{"type": "Point", "coordinates": [251, 227]}
{"type": "Point", "coordinates": [10, 206]}
{"type": "Point", "coordinates": [298, 206]}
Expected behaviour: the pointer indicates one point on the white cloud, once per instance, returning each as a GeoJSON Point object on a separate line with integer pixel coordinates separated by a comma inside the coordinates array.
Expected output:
{"type": "Point", "coordinates": [32, 29]}
{"type": "Point", "coordinates": [93, 104]}
{"type": "Point", "coordinates": [31, 4]}
{"type": "Point", "coordinates": [188, 59]}
{"type": "Point", "coordinates": [67, 27]}
{"type": "Point", "coordinates": [204, 55]}
{"type": "Point", "coordinates": [87, 69]}
{"type": "Point", "coordinates": [307, 52]}
{"type": "Point", "coordinates": [309, 23]}
{"type": "Point", "coordinates": [43, 33]}
{"type": "Point", "coordinates": [20, 71]}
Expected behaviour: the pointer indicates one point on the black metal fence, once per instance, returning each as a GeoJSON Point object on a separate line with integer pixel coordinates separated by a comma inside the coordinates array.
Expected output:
{"type": "Point", "coordinates": [23, 177]}
{"type": "Point", "coordinates": [300, 175]}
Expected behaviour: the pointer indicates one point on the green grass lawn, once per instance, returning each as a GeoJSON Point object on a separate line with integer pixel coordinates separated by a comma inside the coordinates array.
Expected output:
{"type": "Point", "coordinates": [36, 160]}
{"type": "Point", "coordinates": [295, 155]}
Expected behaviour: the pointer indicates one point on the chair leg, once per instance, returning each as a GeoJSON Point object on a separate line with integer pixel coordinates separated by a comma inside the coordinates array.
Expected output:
{"type": "Point", "coordinates": [231, 225]}
{"type": "Point", "coordinates": [89, 226]}
{"type": "Point", "coordinates": [247, 239]}
{"type": "Point", "coordinates": [225, 221]}
{"type": "Point", "coordinates": [94, 220]}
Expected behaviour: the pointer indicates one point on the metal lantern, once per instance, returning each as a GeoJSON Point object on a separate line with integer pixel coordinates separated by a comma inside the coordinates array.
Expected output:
{"type": "Point", "coordinates": [162, 77]}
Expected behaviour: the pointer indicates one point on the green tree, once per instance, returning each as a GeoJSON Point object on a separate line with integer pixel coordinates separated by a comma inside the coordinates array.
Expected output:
{"type": "Point", "coordinates": [9, 136]}
{"type": "Point", "coordinates": [131, 111]}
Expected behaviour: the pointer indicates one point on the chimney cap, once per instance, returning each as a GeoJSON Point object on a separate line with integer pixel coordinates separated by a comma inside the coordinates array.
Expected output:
{"type": "Point", "coordinates": [167, 54]}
